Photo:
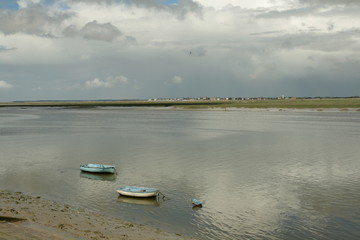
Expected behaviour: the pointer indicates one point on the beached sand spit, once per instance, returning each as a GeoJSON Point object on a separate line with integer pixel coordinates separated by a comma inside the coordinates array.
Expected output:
{"type": "Point", "coordinates": [30, 217]}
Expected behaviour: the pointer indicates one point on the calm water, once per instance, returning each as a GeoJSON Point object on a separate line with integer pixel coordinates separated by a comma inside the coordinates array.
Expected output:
{"type": "Point", "coordinates": [262, 174]}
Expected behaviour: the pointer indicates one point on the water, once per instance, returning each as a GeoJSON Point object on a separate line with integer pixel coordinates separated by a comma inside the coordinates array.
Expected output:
{"type": "Point", "coordinates": [262, 174]}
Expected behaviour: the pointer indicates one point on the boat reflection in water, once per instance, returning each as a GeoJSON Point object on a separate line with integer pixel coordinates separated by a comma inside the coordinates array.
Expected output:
{"type": "Point", "coordinates": [98, 176]}
{"type": "Point", "coordinates": [196, 208]}
{"type": "Point", "coordinates": [140, 201]}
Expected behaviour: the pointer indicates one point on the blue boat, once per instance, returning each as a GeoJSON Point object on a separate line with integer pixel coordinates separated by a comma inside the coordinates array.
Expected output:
{"type": "Point", "coordinates": [97, 168]}
{"type": "Point", "coordinates": [132, 191]}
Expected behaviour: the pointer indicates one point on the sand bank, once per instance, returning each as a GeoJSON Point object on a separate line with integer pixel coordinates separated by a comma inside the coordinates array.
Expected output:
{"type": "Point", "coordinates": [30, 217]}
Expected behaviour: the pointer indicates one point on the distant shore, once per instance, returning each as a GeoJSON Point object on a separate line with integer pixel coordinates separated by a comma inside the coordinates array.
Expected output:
{"type": "Point", "coordinates": [313, 103]}
{"type": "Point", "coordinates": [31, 217]}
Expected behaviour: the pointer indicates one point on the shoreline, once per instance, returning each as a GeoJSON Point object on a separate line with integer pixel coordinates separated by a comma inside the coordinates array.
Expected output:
{"type": "Point", "coordinates": [322, 103]}
{"type": "Point", "coordinates": [207, 108]}
{"type": "Point", "coordinates": [269, 109]}
{"type": "Point", "coordinates": [25, 216]}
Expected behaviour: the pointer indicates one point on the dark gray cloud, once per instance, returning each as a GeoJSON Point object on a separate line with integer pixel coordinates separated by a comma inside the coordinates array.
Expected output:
{"type": "Point", "coordinates": [317, 41]}
{"type": "Point", "coordinates": [186, 6]}
{"type": "Point", "coordinates": [147, 3]}
{"type": "Point", "coordinates": [330, 26]}
{"type": "Point", "coordinates": [199, 51]}
{"type": "Point", "coordinates": [3, 48]}
{"type": "Point", "coordinates": [94, 31]}
{"type": "Point", "coordinates": [294, 12]}
{"type": "Point", "coordinates": [330, 2]}
{"type": "Point", "coordinates": [180, 9]}
{"type": "Point", "coordinates": [323, 8]}
{"type": "Point", "coordinates": [93, 1]}
{"type": "Point", "coordinates": [266, 33]}
{"type": "Point", "coordinates": [33, 20]}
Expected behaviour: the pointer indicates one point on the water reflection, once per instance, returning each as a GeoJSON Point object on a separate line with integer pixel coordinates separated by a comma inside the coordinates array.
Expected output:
{"type": "Point", "coordinates": [263, 175]}
{"type": "Point", "coordinates": [98, 176]}
{"type": "Point", "coordinates": [196, 207]}
{"type": "Point", "coordinates": [154, 201]}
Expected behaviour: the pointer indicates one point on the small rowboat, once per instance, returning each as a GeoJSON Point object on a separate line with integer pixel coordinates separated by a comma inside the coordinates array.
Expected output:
{"type": "Point", "coordinates": [97, 168]}
{"type": "Point", "coordinates": [132, 191]}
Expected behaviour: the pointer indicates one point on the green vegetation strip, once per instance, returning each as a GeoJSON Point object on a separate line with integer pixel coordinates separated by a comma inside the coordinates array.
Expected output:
{"type": "Point", "coordinates": [341, 103]}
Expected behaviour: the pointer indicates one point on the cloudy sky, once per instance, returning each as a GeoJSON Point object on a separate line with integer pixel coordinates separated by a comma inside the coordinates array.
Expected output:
{"type": "Point", "coordinates": [126, 49]}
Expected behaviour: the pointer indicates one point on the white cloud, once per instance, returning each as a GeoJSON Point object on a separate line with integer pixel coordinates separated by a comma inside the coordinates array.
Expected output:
{"type": "Point", "coordinates": [109, 82]}
{"type": "Point", "coordinates": [177, 80]}
{"type": "Point", "coordinates": [5, 85]}
{"type": "Point", "coordinates": [97, 83]}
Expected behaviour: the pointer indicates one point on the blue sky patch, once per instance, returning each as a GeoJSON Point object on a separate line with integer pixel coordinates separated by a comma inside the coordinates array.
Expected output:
{"type": "Point", "coordinates": [13, 5]}
{"type": "Point", "coordinates": [169, 2]}
{"type": "Point", "coordinates": [9, 4]}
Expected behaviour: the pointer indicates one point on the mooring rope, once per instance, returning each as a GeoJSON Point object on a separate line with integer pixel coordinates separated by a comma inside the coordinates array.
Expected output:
{"type": "Point", "coordinates": [163, 196]}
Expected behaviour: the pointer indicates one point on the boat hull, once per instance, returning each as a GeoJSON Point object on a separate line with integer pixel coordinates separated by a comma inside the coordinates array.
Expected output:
{"type": "Point", "coordinates": [141, 192]}
{"type": "Point", "coordinates": [97, 168]}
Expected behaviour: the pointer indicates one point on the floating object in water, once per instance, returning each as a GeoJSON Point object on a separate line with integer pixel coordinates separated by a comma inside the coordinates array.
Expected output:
{"type": "Point", "coordinates": [197, 203]}
{"type": "Point", "coordinates": [97, 168]}
{"type": "Point", "coordinates": [132, 191]}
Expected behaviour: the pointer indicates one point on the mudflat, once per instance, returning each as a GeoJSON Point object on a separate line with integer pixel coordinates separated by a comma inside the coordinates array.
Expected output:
{"type": "Point", "coordinates": [32, 217]}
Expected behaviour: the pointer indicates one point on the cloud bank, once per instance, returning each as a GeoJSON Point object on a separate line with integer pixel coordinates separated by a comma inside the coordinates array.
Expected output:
{"type": "Point", "coordinates": [185, 48]}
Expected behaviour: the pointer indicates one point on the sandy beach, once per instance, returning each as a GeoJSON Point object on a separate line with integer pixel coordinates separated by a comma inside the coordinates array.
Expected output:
{"type": "Point", "coordinates": [32, 217]}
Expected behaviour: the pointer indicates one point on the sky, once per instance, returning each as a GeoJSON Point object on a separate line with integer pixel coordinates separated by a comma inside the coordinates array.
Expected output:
{"type": "Point", "coordinates": [140, 49]}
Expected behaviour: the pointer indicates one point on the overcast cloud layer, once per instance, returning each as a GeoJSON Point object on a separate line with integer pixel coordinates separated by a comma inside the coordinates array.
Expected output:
{"type": "Point", "coordinates": [123, 49]}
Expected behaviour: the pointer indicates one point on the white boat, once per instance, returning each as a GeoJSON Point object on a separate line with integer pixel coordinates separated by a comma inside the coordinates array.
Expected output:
{"type": "Point", "coordinates": [132, 191]}
{"type": "Point", "coordinates": [97, 168]}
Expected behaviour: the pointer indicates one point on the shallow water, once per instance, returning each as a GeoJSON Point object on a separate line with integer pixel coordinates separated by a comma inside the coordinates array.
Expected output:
{"type": "Point", "coordinates": [262, 174]}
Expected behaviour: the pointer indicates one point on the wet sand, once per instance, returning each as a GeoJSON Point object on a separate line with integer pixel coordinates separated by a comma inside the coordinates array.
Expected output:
{"type": "Point", "coordinates": [31, 217]}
